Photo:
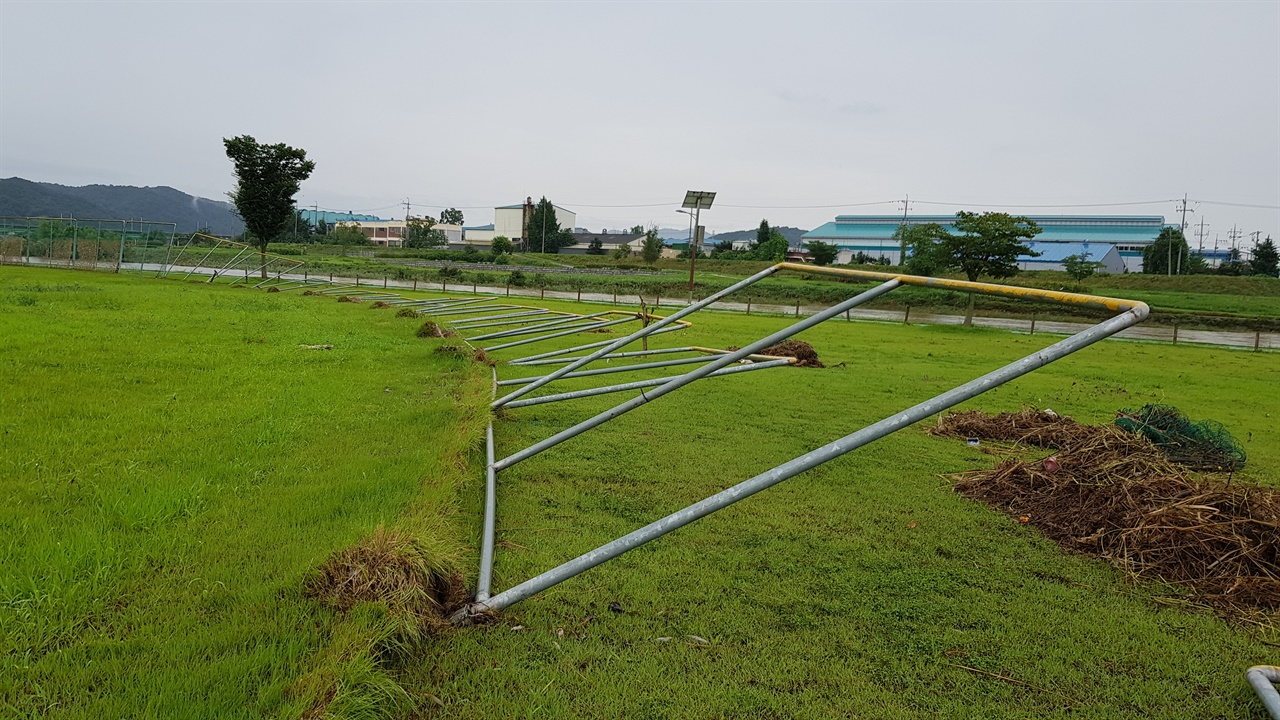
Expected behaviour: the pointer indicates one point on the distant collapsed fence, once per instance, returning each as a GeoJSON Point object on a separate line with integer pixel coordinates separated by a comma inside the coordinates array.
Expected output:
{"type": "Point", "coordinates": [131, 245]}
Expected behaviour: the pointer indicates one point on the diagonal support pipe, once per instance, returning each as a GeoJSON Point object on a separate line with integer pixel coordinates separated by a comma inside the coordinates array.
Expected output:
{"type": "Point", "coordinates": [640, 384]}
{"type": "Point", "coordinates": [1264, 678]}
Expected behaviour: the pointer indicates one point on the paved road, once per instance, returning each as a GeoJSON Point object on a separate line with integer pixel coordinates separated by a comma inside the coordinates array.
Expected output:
{"type": "Point", "coordinates": [1150, 333]}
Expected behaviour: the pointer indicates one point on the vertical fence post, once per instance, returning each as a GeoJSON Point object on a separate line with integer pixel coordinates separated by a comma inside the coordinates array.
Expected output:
{"type": "Point", "coordinates": [579, 294]}
{"type": "Point", "coordinates": [415, 283]}
{"type": "Point", "coordinates": [1175, 333]}
{"type": "Point", "coordinates": [748, 304]}
{"type": "Point", "coordinates": [657, 301]}
{"type": "Point", "coordinates": [797, 308]}
{"type": "Point", "coordinates": [473, 288]}
{"type": "Point", "coordinates": [542, 292]}
{"type": "Point", "coordinates": [1033, 323]}
{"type": "Point", "coordinates": [906, 317]}
{"type": "Point", "coordinates": [508, 288]}
{"type": "Point", "coordinates": [1257, 340]}
{"type": "Point", "coordinates": [615, 296]}
{"type": "Point", "coordinates": [357, 279]}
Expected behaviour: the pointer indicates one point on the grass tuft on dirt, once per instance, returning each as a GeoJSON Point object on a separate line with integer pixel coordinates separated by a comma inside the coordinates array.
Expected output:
{"type": "Point", "coordinates": [431, 330]}
{"type": "Point", "coordinates": [348, 298]}
{"type": "Point", "coordinates": [392, 568]}
{"type": "Point", "coordinates": [407, 313]}
{"type": "Point", "coordinates": [1113, 494]}
{"type": "Point", "coordinates": [312, 292]}
{"type": "Point", "coordinates": [802, 351]}
{"type": "Point", "coordinates": [380, 304]}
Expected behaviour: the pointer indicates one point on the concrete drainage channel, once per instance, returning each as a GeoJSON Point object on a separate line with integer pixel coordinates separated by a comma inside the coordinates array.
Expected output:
{"type": "Point", "coordinates": [493, 326]}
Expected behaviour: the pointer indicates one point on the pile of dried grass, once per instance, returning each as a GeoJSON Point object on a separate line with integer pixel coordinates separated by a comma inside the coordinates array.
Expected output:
{"type": "Point", "coordinates": [431, 330]}
{"type": "Point", "coordinates": [380, 304]}
{"type": "Point", "coordinates": [407, 312]}
{"type": "Point", "coordinates": [802, 351]}
{"type": "Point", "coordinates": [348, 298]}
{"type": "Point", "coordinates": [1113, 494]}
{"type": "Point", "coordinates": [311, 292]}
{"type": "Point", "coordinates": [273, 289]}
{"type": "Point", "coordinates": [394, 569]}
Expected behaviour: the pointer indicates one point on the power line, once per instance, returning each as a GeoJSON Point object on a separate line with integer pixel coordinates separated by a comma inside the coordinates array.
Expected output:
{"type": "Point", "coordinates": [1072, 205]}
{"type": "Point", "coordinates": [1244, 205]}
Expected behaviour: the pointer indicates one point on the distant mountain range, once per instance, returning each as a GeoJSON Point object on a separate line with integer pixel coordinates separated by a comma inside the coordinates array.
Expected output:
{"type": "Point", "coordinates": [116, 202]}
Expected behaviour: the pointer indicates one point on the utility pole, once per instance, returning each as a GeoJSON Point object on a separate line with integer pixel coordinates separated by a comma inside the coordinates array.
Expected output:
{"type": "Point", "coordinates": [1183, 229]}
{"type": "Point", "coordinates": [404, 236]}
{"type": "Point", "coordinates": [902, 241]}
{"type": "Point", "coordinates": [1201, 232]}
{"type": "Point", "coordinates": [1234, 237]}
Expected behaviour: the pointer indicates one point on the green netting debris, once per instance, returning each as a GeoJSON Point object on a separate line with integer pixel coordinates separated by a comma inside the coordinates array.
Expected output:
{"type": "Point", "coordinates": [1204, 445]}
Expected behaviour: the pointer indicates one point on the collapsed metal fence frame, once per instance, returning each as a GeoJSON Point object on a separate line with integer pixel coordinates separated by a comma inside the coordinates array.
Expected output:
{"type": "Point", "coordinates": [1128, 313]}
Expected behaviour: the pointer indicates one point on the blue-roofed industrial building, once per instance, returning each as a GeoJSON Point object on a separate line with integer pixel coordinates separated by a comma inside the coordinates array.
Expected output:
{"type": "Point", "coordinates": [872, 235]}
{"type": "Point", "coordinates": [1053, 253]}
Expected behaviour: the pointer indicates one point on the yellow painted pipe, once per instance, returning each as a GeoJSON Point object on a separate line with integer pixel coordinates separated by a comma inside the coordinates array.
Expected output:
{"type": "Point", "coordinates": [1012, 291]}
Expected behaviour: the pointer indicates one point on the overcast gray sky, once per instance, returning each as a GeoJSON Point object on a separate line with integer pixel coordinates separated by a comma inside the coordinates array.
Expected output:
{"type": "Point", "coordinates": [625, 104]}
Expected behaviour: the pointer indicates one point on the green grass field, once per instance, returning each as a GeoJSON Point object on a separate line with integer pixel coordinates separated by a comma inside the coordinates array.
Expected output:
{"type": "Point", "coordinates": [175, 477]}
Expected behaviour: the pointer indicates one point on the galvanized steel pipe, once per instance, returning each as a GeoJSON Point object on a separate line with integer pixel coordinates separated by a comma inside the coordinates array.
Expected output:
{"type": "Point", "coordinates": [1264, 678]}
{"type": "Point", "coordinates": [639, 384]}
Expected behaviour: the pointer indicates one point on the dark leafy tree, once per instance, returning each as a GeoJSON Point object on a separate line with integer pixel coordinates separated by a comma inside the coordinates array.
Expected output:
{"type": "Point", "coordinates": [773, 249]}
{"type": "Point", "coordinates": [545, 234]}
{"type": "Point", "coordinates": [1169, 250]}
{"type": "Point", "coordinates": [267, 178]}
{"type": "Point", "coordinates": [823, 253]}
{"type": "Point", "coordinates": [926, 253]}
{"type": "Point", "coordinates": [502, 245]}
{"type": "Point", "coordinates": [422, 233]}
{"type": "Point", "coordinates": [1080, 266]}
{"type": "Point", "coordinates": [637, 229]}
{"type": "Point", "coordinates": [1265, 260]}
{"type": "Point", "coordinates": [595, 247]}
{"type": "Point", "coordinates": [763, 233]}
{"type": "Point", "coordinates": [347, 235]}
{"type": "Point", "coordinates": [651, 248]}
{"type": "Point", "coordinates": [990, 245]}
{"type": "Point", "coordinates": [451, 216]}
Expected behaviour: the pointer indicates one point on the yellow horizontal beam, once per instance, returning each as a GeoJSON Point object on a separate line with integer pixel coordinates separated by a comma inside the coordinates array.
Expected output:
{"type": "Point", "coordinates": [1011, 291]}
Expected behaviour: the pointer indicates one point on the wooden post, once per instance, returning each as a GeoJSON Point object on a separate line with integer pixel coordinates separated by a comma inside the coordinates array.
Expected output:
{"type": "Point", "coordinates": [1257, 340]}
{"type": "Point", "coordinates": [579, 294]}
{"type": "Point", "coordinates": [615, 296]}
{"type": "Point", "coordinates": [657, 302]}
{"type": "Point", "coordinates": [1033, 323]}
{"type": "Point", "coordinates": [415, 283]}
{"type": "Point", "coordinates": [846, 315]}
{"type": "Point", "coordinates": [473, 288]}
{"type": "Point", "coordinates": [1175, 333]}
{"type": "Point", "coordinates": [384, 282]}
{"type": "Point", "coordinates": [748, 304]}
{"type": "Point", "coordinates": [357, 279]}
{"type": "Point", "coordinates": [508, 288]}
{"type": "Point", "coordinates": [442, 285]}
{"type": "Point", "coordinates": [543, 293]}
{"type": "Point", "coordinates": [797, 308]}
{"type": "Point", "coordinates": [906, 317]}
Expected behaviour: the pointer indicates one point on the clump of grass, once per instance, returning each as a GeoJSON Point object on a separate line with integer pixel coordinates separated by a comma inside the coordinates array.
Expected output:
{"type": "Point", "coordinates": [273, 289]}
{"type": "Point", "coordinates": [417, 584]}
{"type": "Point", "coordinates": [407, 312]}
{"type": "Point", "coordinates": [311, 292]}
{"type": "Point", "coordinates": [380, 304]}
{"type": "Point", "coordinates": [431, 330]}
{"type": "Point", "coordinates": [348, 298]}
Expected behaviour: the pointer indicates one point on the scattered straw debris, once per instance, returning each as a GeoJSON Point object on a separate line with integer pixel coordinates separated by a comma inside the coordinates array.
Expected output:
{"type": "Point", "coordinates": [316, 347]}
{"type": "Point", "coordinates": [312, 292]}
{"type": "Point", "coordinates": [395, 569]}
{"type": "Point", "coordinates": [348, 298]}
{"type": "Point", "coordinates": [273, 289]}
{"type": "Point", "coordinates": [431, 330]}
{"type": "Point", "coordinates": [454, 350]}
{"type": "Point", "coordinates": [802, 351]}
{"type": "Point", "coordinates": [601, 331]}
{"type": "Point", "coordinates": [407, 312]}
{"type": "Point", "coordinates": [1110, 493]}
{"type": "Point", "coordinates": [481, 356]}
{"type": "Point", "coordinates": [380, 304]}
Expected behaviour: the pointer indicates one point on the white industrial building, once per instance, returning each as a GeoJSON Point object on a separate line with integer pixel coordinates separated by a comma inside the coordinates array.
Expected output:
{"type": "Point", "coordinates": [509, 222]}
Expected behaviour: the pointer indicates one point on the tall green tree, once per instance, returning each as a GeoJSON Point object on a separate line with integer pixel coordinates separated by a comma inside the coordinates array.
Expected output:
{"type": "Point", "coordinates": [823, 253]}
{"type": "Point", "coordinates": [451, 216]}
{"type": "Point", "coordinates": [1080, 266]}
{"type": "Point", "coordinates": [1169, 250]}
{"type": "Point", "coordinates": [990, 245]}
{"type": "Point", "coordinates": [545, 233]}
{"type": "Point", "coordinates": [422, 233]}
{"type": "Point", "coordinates": [763, 233]}
{"type": "Point", "coordinates": [347, 235]}
{"type": "Point", "coordinates": [651, 248]}
{"type": "Point", "coordinates": [595, 247]}
{"type": "Point", "coordinates": [637, 229]}
{"type": "Point", "coordinates": [1265, 260]}
{"type": "Point", "coordinates": [267, 178]}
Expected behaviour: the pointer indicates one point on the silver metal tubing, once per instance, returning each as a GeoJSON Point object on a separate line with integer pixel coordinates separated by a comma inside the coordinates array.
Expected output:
{"type": "Point", "coordinates": [528, 317]}
{"type": "Point", "coordinates": [570, 330]}
{"type": "Point", "coordinates": [457, 303]}
{"type": "Point", "coordinates": [642, 332]}
{"type": "Point", "coordinates": [201, 263]}
{"type": "Point", "coordinates": [490, 518]}
{"type": "Point", "coordinates": [588, 346]}
{"type": "Point", "coordinates": [260, 268]}
{"type": "Point", "coordinates": [610, 356]}
{"type": "Point", "coordinates": [640, 384]}
{"type": "Point", "coordinates": [810, 460]}
{"type": "Point", "coordinates": [1264, 678]}
{"type": "Point", "coordinates": [560, 321]}
{"type": "Point", "coordinates": [617, 369]}
{"type": "Point", "coordinates": [479, 321]}
{"type": "Point", "coordinates": [233, 260]}
{"type": "Point", "coordinates": [485, 308]}
{"type": "Point", "coordinates": [680, 381]}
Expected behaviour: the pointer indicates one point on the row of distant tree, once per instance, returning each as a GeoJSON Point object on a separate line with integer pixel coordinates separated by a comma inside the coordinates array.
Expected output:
{"type": "Point", "coordinates": [1170, 252]}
